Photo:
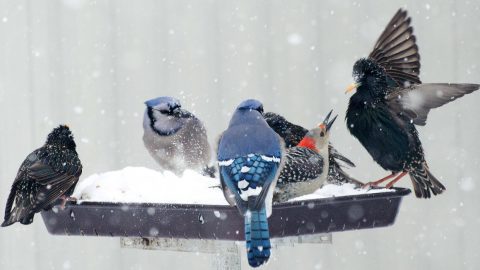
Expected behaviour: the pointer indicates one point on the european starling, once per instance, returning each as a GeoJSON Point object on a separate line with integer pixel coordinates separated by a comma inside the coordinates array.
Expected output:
{"type": "Point", "coordinates": [390, 100]}
{"type": "Point", "coordinates": [48, 173]}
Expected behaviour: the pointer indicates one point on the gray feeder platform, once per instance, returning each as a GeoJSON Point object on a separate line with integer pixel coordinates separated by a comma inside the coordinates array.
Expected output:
{"type": "Point", "coordinates": [219, 229]}
{"type": "Point", "coordinates": [220, 222]}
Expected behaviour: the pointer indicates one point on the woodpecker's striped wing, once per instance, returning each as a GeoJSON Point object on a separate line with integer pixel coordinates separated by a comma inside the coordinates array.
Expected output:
{"type": "Point", "coordinates": [397, 52]}
{"type": "Point", "coordinates": [301, 164]}
{"type": "Point", "coordinates": [248, 176]}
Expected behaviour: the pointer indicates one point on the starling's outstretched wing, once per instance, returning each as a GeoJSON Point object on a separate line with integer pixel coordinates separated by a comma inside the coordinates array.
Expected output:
{"type": "Point", "coordinates": [416, 101]}
{"type": "Point", "coordinates": [397, 52]}
{"type": "Point", "coordinates": [301, 164]}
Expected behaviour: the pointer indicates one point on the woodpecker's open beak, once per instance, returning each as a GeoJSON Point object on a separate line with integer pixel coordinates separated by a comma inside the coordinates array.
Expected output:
{"type": "Point", "coordinates": [351, 87]}
{"type": "Point", "coordinates": [328, 124]}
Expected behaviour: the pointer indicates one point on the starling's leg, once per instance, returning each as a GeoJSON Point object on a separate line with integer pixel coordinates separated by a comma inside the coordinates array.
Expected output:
{"type": "Point", "coordinates": [65, 199]}
{"type": "Point", "coordinates": [376, 183]}
{"type": "Point", "coordinates": [389, 185]}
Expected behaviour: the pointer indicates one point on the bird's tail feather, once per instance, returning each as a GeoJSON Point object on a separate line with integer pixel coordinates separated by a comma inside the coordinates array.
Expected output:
{"type": "Point", "coordinates": [18, 214]}
{"type": "Point", "coordinates": [423, 182]}
{"type": "Point", "coordinates": [257, 237]}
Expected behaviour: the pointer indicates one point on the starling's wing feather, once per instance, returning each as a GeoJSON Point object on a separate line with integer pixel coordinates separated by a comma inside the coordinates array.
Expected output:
{"type": "Point", "coordinates": [292, 134]}
{"type": "Point", "coordinates": [396, 51]}
{"type": "Point", "coordinates": [335, 155]}
{"type": "Point", "coordinates": [52, 183]}
{"type": "Point", "coordinates": [415, 102]}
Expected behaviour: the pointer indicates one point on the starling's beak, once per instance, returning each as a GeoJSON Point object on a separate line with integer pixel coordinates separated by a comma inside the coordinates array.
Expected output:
{"type": "Point", "coordinates": [352, 87]}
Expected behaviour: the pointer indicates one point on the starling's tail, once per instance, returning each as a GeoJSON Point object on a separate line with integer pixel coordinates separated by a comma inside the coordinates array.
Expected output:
{"type": "Point", "coordinates": [423, 182]}
{"type": "Point", "coordinates": [257, 237]}
{"type": "Point", "coordinates": [18, 213]}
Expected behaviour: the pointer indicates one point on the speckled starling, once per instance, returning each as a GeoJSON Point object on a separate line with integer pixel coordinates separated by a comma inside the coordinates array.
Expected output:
{"type": "Point", "coordinates": [390, 100]}
{"type": "Point", "coordinates": [48, 173]}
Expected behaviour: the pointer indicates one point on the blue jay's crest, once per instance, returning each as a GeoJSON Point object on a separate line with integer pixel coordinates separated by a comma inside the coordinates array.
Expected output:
{"type": "Point", "coordinates": [168, 102]}
{"type": "Point", "coordinates": [251, 104]}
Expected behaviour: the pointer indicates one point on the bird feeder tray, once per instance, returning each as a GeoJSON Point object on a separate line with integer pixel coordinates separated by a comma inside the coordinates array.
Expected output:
{"type": "Point", "coordinates": [220, 222]}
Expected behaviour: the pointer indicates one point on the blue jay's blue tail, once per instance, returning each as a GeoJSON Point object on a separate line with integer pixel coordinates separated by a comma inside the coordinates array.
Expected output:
{"type": "Point", "coordinates": [257, 237]}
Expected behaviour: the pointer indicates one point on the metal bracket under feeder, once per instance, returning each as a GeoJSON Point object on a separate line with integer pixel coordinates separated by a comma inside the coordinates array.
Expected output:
{"type": "Point", "coordinates": [227, 254]}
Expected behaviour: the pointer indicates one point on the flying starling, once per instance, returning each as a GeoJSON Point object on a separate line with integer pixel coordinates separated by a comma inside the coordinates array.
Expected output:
{"type": "Point", "coordinates": [47, 174]}
{"type": "Point", "coordinates": [390, 100]}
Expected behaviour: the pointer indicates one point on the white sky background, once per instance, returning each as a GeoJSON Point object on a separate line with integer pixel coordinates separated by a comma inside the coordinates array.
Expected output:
{"type": "Point", "coordinates": [93, 64]}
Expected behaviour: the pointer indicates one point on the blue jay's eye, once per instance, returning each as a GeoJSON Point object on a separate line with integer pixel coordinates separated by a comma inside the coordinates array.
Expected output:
{"type": "Point", "coordinates": [165, 111]}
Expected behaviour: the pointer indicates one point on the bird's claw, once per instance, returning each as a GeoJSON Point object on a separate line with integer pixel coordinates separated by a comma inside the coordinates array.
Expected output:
{"type": "Point", "coordinates": [66, 199]}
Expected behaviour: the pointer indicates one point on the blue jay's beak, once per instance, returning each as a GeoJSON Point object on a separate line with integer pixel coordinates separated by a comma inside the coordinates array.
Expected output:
{"type": "Point", "coordinates": [182, 113]}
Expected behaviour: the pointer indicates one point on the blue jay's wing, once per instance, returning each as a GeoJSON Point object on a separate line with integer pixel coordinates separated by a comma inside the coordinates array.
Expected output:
{"type": "Point", "coordinates": [260, 201]}
{"type": "Point", "coordinates": [249, 176]}
{"type": "Point", "coordinates": [224, 181]}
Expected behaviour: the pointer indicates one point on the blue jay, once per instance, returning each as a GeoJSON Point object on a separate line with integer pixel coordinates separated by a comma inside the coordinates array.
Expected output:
{"type": "Point", "coordinates": [250, 160]}
{"type": "Point", "coordinates": [174, 137]}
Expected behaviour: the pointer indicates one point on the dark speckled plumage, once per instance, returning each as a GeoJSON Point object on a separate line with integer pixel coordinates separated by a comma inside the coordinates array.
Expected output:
{"type": "Point", "coordinates": [390, 100]}
{"type": "Point", "coordinates": [46, 174]}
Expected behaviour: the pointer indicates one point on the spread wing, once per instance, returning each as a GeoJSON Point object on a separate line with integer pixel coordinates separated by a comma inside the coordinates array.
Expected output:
{"type": "Point", "coordinates": [416, 101]}
{"type": "Point", "coordinates": [397, 52]}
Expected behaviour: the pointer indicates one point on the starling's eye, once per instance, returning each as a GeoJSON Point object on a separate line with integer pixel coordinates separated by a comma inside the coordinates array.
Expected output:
{"type": "Point", "coordinates": [322, 134]}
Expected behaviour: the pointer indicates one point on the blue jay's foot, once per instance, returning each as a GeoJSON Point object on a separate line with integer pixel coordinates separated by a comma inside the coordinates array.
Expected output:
{"type": "Point", "coordinates": [209, 171]}
{"type": "Point", "coordinates": [66, 199]}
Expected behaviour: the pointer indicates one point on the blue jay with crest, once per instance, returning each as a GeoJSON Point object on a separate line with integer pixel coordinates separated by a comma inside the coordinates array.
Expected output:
{"type": "Point", "coordinates": [174, 137]}
{"type": "Point", "coordinates": [250, 158]}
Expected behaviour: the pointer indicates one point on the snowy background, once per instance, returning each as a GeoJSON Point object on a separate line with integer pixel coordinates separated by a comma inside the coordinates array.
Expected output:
{"type": "Point", "coordinates": [91, 64]}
